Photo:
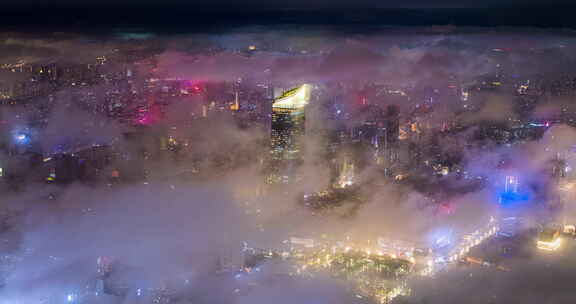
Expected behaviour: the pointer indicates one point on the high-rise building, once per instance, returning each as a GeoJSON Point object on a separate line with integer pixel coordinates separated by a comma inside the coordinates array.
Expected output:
{"type": "Point", "coordinates": [287, 129]}
{"type": "Point", "coordinates": [288, 123]}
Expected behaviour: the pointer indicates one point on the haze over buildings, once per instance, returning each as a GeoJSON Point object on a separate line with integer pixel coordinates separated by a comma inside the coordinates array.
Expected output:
{"type": "Point", "coordinates": [288, 164]}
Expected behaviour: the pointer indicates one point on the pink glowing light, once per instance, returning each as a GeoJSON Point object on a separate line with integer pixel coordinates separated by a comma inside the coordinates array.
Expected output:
{"type": "Point", "coordinates": [148, 117]}
{"type": "Point", "coordinates": [193, 86]}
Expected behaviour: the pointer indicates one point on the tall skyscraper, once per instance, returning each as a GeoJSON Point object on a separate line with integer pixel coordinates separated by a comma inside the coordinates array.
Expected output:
{"type": "Point", "coordinates": [287, 129]}
{"type": "Point", "coordinates": [288, 123]}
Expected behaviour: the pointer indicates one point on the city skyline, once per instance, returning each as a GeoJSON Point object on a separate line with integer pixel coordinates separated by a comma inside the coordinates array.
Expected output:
{"type": "Point", "coordinates": [288, 163]}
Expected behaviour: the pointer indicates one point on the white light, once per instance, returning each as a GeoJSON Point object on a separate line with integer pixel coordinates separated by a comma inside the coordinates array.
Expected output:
{"type": "Point", "coordinates": [550, 246]}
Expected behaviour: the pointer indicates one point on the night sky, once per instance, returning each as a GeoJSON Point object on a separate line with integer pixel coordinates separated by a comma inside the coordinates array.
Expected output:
{"type": "Point", "coordinates": [190, 16]}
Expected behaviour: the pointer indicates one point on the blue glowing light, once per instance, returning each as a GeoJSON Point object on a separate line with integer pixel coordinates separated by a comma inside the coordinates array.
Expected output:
{"type": "Point", "coordinates": [537, 124]}
{"type": "Point", "coordinates": [22, 138]}
{"type": "Point", "coordinates": [513, 194]}
{"type": "Point", "coordinates": [513, 198]}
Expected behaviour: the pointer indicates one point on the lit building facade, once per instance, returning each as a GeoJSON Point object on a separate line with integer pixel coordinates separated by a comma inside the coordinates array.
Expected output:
{"type": "Point", "coordinates": [287, 129]}
{"type": "Point", "coordinates": [288, 123]}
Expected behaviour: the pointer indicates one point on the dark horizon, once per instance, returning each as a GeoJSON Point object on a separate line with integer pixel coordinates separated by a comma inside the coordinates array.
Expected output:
{"type": "Point", "coordinates": [186, 19]}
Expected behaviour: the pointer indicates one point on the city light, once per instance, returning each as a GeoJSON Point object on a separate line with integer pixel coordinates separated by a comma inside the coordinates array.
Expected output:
{"type": "Point", "coordinates": [550, 246]}
{"type": "Point", "coordinates": [21, 138]}
{"type": "Point", "coordinates": [549, 240]}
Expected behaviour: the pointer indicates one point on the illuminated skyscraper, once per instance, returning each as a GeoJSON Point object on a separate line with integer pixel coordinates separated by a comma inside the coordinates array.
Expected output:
{"type": "Point", "coordinates": [287, 129]}
{"type": "Point", "coordinates": [288, 123]}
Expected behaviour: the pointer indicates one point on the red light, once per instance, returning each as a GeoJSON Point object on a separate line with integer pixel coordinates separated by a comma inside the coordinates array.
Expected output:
{"type": "Point", "coordinates": [192, 87]}
{"type": "Point", "coordinates": [446, 208]}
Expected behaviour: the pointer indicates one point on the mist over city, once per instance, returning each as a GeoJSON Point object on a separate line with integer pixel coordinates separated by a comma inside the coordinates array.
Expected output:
{"type": "Point", "coordinates": [288, 163]}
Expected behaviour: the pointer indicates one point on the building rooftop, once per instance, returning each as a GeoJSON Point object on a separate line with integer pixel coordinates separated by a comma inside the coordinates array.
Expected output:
{"type": "Point", "coordinates": [295, 98]}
